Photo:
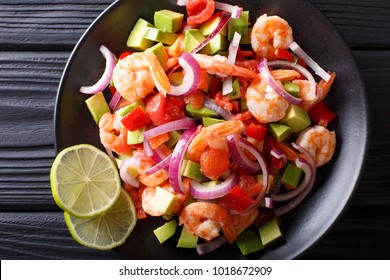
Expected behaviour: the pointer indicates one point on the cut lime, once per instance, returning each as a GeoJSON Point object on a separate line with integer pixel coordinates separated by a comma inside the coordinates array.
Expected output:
{"type": "Point", "coordinates": [107, 230]}
{"type": "Point", "coordinates": [84, 181]}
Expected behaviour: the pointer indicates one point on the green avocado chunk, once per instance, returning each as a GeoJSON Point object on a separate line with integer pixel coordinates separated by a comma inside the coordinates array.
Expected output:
{"type": "Point", "coordinates": [157, 35]}
{"type": "Point", "coordinates": [127, 109]}
{"type": "Point", "coordinates": [207, 27]}
{"type": "Point", "coordinates": [166, 231]}
{"type": "Point", "coordinates": [239, 25]}
{"type": "Point", "coordinates": [279, 131]}
{"type": "Point", "coordinates": [136, 136]}
{"type": "Point", "coordinates": [296, 118]}
{"type": "Point", "coordinates": [249, 242]}
{"type": "Point", "coordinates": [167, 20]}
{"type": "Point", "coordinates": [186, 239]}
{"type": "Point", "coordinates": [192, 38]}
{"type": "Point", "coordinates": [97, 106]}
{"type": "Point", "coordinates": [191, 169]}
{"type": "Point", "coordinates": [270, 232]}
{"type": "Point", "coordinates": [207, 121]}
{"type": "Point", "coordinates": [200, 113]}
{"type": "Point", "coordinates": [161, 53]}
{"type": "Point", "coordinates": [291, 176]}
{"type": "Point", "coordinates": [136, 40]}
{"type": "Point", "coordinates": [292, 88]}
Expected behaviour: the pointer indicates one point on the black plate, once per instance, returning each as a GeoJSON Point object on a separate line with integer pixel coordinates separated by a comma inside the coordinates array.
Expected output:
{"type": "Point", "coordinates": [306, 225]}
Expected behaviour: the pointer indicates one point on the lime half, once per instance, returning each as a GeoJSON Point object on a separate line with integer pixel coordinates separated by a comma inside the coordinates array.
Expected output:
{"type": "Point", "coordinates": [84, 181]}
{"type": "Point", "coordinates": [107, 230]}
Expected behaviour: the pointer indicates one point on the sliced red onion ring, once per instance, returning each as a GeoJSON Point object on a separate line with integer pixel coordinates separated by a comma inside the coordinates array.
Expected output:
{"type": "Point", "coordinates": [279, 154]}
{"type": "Point", "coordinates": [125, 176]}
{"type": "Point", "coordinates": [243, 162]}
{"type": "Point", "coordinates": [300, 69]}
{"type": "Point", "coordinates": [297, 200]}
{"type": "Point", "coordinates": [302, 164]}
{"type": "Point", "coordinates": [201, 191]}
{"type": "Point", "coordinates": [267, 203]}
{"type": "Point", "coordinates": [210, 104]}
{"type": "Point", "coordinates": [235, 11]}
{"type": "Point", "coordinates": [114, 101]}
{"type": "Point", "coordinates": [191, 76]}
{"type": "Point", "coordinates": [162, 164]}
{"type": "Point", "coordinates": [184, 123]}
{"type": "Point", "coordinates": [261, 159]}
{"type": "Point", "coordinates": [205, 248]}
{"type": "Point", "coordinates": [309, 61]}
{"type": "Point", "coordinates": [227, 86]}
{"type": "Point", "coordinates": [266, 75]}
{"type": "Point", "coordinates": [107, 74]}
{"type": "Point", "coordinates": [177, 159]}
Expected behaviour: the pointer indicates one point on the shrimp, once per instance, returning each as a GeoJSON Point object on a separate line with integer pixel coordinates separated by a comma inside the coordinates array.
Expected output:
{"type": "Point", "coordinates": [322, 90]}
{"type": "Point", "coordinates": [319, 142]}
{"type": "Point", "coordinates": [243, 221]}
{"type": "Point", "coordinates": [265, 105]}
{"type": "Point", "coordinates": [136, 75]}
{"type": "Point", "coordinates": [210, 134]}
{"type": "Point", "coordinates": [270, 33]}
{"type": "Point", "coordinates": [113, 134]}
{"type": "Point", "coordinates": [206, 219]}
{"type": "Point", "coordinates": [219, 65]}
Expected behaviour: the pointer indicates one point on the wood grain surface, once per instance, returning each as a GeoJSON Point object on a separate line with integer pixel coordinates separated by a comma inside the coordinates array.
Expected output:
{"type": "Point", "coordinates": [36, 38]}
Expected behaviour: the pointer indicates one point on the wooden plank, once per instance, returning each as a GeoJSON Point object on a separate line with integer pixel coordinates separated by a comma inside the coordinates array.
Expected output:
{"type": "Point", "coordinates": [47, 25]}
{"type": "Point", "coordinates": [33, 235]}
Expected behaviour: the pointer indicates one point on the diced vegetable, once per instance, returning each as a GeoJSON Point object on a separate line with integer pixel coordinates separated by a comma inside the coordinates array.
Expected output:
{"type": "Point", "coordinates": [270, 232]}
{"type": "Point", "coordinates": [238, 200]}
{"type": "Point", "coordinates": [291, 176]}
{"type": "Point", "coordinates": [136, 119]}
{"type": "Point", "coordinates": [97, 106]}
{"type": "Point", "coordinates": [249, 242]}
{"type": "Point", "coordinates": [256, 131]}
{"type": "Point", "coordinates": [165, 231]}
{"type": "Point", "coordinates": [168, 21]}
{"type": "Point", "coordinates": [321, 114]}
{"type": "Point", "coordinates": [187, 239]}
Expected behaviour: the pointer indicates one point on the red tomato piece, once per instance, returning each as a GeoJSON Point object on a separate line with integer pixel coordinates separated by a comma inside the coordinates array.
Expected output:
{"type": "Point", "coordinates": [321, 114]}
{"type": "Point", "coordinates": [162, 110]}
{"type": "Point", "coordinates": [208, 165]}
{"type": "Point", "coordinates": [238, 200]}
{"type": "Point", "coordinates": [286, 55]}
{"type": "Point", "coordinates": [136, 119]}
{"type": "Point", "coordinates": [124, 54]}
{"type": "Point", "coordinates": [199, 11]}
{"type": "Point", "coordinates": [256, 131]}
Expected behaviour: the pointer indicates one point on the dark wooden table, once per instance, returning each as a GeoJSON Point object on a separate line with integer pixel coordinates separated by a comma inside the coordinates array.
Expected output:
{"type": "Point", "coordinates": [36, 38]}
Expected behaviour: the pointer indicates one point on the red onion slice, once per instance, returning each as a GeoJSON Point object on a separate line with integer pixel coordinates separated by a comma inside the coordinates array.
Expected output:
{"type": "Point", "coordinates": [114, 101]}
{"type": "Point", "coordinates": [227, 86]}
{"type": "Point", "coordinates": [300, 69]}
{"type": "Point", "coordinates": [125, 176]}
{"type": "Point", "coordinates": [205, 248]}
{"type": "Point", "coordinates": [279, 154]}
{"type": "Point", "coordinates": [243, 162]}
{"type": "Point", "coordinates": [191, 76]}
{"type": "Point", "coordinates": [177, 159]}
{"type": "Point", "coordinates": [107, 74]}
{"type": "Point", "coordinates": [209, 103]}
{"type": "Point", "coordinates": [160, 165]}
{"type": "Point", "coordinates": [309, 61]}
{"type": "Point", "coordinates": [266, 75]}
{"type": "Point", "coordinates": [201, 191]}
{"type": "Point", "coordinates": [235, 11]}
{"type": "Point", "coordinates": [184, 123]}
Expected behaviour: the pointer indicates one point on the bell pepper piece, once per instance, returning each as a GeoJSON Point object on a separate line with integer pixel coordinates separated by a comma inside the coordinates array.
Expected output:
{"type": "Point", "coordinates": [256, 131]}
{"type": "Point", "coordinates": [238, 199]}
{"type": "Point", "coordinates": [321, 114]}
{"type": "Point", "coordinates": [286, 55]}
{"type": "Point", "coordinates": [136, 119]}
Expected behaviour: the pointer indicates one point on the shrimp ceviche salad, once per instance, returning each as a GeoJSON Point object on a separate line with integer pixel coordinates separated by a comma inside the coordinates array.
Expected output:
{"type": "Point", "coordinates": [217, 121]}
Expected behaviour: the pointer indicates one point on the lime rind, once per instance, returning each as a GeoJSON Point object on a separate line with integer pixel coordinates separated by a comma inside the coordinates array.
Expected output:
{"type": "Point", "coordinates": [84, 181]}
{"type": "Point", "coordinates": [107, 230]}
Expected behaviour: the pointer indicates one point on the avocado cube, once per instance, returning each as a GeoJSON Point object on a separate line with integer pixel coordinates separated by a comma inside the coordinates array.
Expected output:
{"type": "Point", "coordinates": [243, 105]}
{"type": "Point", "coordinates": [270, 232]}
{"type": "Point", "coordinates": [157, 35]}
{"type": "Point", "coordinates": [207, 121]}
{"type": "Point", "coordinates": [192, 38]}
{"type": "Point", "coordinates": [128, 108]}
{"type": "Point", "coordinates": [97, 106]}
{"type": "Point", "coordinates": [187, 239]}
{"type": "Point", "coordinates": [296, 118]}
{"type": "Point", "coordinates": [174, 137]}
{"type": "Point", "coordinates": [279, 131]}
{"type": "Point", "coordinates": [207, 27]}
{"type": "Point", "coordinates": [218, 43]}
{"type": "Point", "coordinates": [239, 25]}
{"type": "Point", "coordinates": [236, 93]}
{"type": "Point", "coordinates": [164, 200]}
{"type": "Point", "coordinates": [176, 78]}
{"type": "Point", "coordinates": [136, 136]}
{"type": "Point", "coordinates": [249, 242]}
{"type": "Point", "coordinates": [291, 176]}
{"type": "Point", "coordinates": [191, 169]}
{"type": "Point", "coordinates": [136, 40]}
{"type": "Point", "coordinates": [168, 21]}
{"type": "Point", "coordinates": [161, 53]}
{"type": "Point", "coordinates": [246, 39]}
{"type": "Point", "coordinates": [200, 113]}
{"type": "Point", "coordinates": [292, 88]}
{"type": "Point", "coordinates": [165, 231]}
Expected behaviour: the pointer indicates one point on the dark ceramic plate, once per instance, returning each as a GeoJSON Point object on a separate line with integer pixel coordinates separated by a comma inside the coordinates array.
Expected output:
{"type": "Point", "coordinates": [306, 225]}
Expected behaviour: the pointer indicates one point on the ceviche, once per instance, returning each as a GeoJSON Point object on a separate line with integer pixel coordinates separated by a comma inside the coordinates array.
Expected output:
{"type": "Point", "coordinates": [217, 121]}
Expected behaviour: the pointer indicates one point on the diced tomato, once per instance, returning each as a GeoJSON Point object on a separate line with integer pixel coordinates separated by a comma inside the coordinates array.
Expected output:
{"type": "Point", "coordinates": [243, 116]}
{"type": "Point", "coordinates": [162, 110]}
{"type": "Point", "coordinates": [224, 102]}
{"type": "Point", "coordinates": [136, 119]}
{"type": "Point", "coordinates": [256, 131]}
{"type": "Point", "coordinates": [112, 89]}
{"type": "Point", "coordinates": [199, 11]}
{"type": "Point", "coordinates": [286, 55]}
{"type": "Point", "coordinates": [321, 114]}
{"type": "Point", "coordinates": [208, 166]}
{"type": "Point", "coordinates": [215, 86]}
{"type": "Point", "coordinates": [238, 200]}
{"type": "Point", "coordinates": [196, 99]}
{"type": "Point", "coordinates": [249, 184]}
{"type": "Point", "coordinates": [124, 54]}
